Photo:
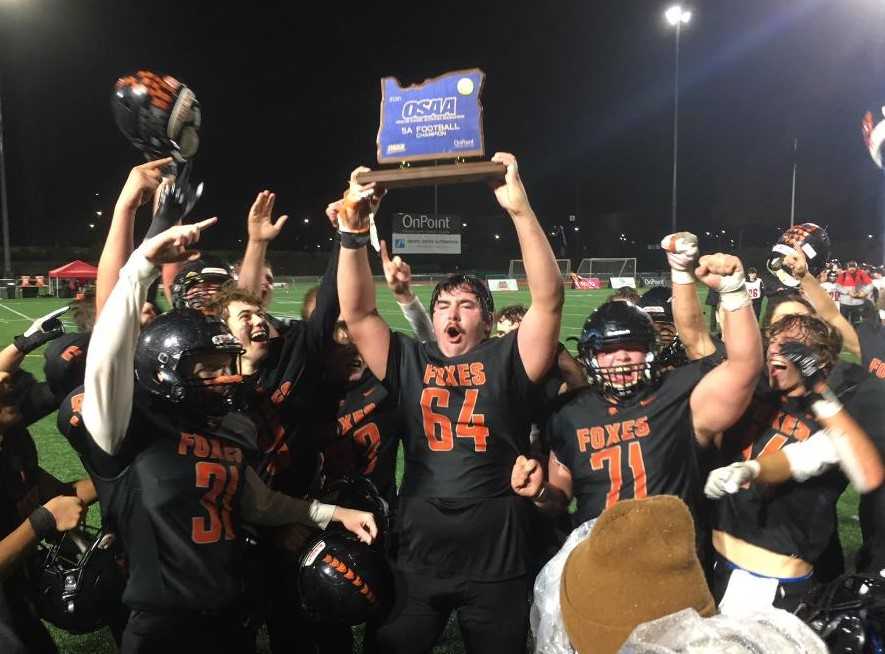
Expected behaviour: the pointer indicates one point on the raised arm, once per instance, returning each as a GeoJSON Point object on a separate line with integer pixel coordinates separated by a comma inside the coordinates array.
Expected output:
{"type": "Point", "coordinates": [356, 288]}
{"type": "Point", "coordinates": [823, 304]}
{"type": "Point", "coordinates": [42, 330]}
{"type": "Point", "coordinates": [110, 377]}
{"type": "Point", "coordinates": [688, 315]}
{"type": "Point", "coordinates": [724, 393]}
{"type": "Point", "coordinates": [399, 280]}
{"type": "Point", "coordinates": [538, 336]}
{"type": "Point", "coordinates": [139, 189]}
{"type": "Point", "coordinates": [262, 230]}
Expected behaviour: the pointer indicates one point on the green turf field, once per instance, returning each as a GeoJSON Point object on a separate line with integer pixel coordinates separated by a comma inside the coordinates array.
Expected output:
{"type": "Point", "coordinates": [57, 457]}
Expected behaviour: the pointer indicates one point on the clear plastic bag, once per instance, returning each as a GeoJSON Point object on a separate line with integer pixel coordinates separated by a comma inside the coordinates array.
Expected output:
{"type": "Point", "coordinates": [757, 632]}
{"type": "Point", "coordinates": [545, 617]}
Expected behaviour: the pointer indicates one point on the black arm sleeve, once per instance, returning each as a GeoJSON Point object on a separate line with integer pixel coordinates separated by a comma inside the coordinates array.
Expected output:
{"type": "Point", "coordinates": [321, 324]}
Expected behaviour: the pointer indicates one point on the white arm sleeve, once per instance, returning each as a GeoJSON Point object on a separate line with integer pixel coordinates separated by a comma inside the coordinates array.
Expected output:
{"type": "Point", "coordinates": [811, 457]}
{"type": "Point", "coordinates": [420, 322]}
{"type": "Point", "coordinates": [260, 505]}
{"type": "Point", "coordinates": [110, 363]}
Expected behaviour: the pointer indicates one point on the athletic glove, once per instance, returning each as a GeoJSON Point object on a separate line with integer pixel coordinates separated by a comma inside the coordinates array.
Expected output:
{"type": "Point", "coordinates": [41, 331]}
{"type": "Point", "coordinates": [728, 480]}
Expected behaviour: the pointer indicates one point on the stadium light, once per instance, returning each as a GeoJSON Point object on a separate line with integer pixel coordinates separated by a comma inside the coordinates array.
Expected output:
{"type": "Point", "coordinates": [577, 229]}
{"type": "Point", "coordinates": [677, 17]}
{"type": "Point", "coordinates": [98, 213]}
{"type": "Point", "coordinates": [306, 220]}
{"type": "Point", "coordinates": [497, 236]}
{"type": "Point", "coordinates": [91, 225]}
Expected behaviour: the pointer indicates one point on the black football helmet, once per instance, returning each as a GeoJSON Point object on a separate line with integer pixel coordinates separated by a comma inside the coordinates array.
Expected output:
{"type": "Point", "coordinates": [79, 579]}
{"type": "Point", "coordinates": [615, 324]}
{"type": "Point", "coordinates": [476, 286]}
{"type": "Point", "coordinates": [158, 114]}
{"type": "Point", "coordinates": [197, 281]}
{"type": "Point", "coordinates": [658, 304]}
{"type": "Point", "coordinates": [356, 492]}
{"type": "Point", "coordinates": [848, 614]}
{"type": "Point", "coordinates": [342, 580]}
{"type": "Point", "coordinates": [178, 334]}
{"type": "Point", "coordinates": [814, 243]}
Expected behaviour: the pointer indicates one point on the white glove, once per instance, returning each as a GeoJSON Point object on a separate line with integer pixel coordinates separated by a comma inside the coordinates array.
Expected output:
{"type": "Point", "coordinates": [682, 253]}
{"type": "Point", "coordinates": [728, 480]}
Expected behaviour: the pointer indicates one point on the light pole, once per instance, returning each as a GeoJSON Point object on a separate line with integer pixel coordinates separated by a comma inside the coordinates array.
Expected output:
{"type": "Point", "coordinates": [4, 206]}
{"type": "Point", "coordinates": [677, 17]}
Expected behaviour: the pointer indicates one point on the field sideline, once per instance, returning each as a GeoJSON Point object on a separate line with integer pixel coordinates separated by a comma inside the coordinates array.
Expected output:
{"type": "Point", "coordinates": [57, 457]}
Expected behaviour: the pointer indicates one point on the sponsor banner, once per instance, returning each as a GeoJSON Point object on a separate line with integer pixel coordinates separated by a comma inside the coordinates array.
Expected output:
{"type": "Point", "coordinates": [502, 285]}
{"type": "Point", "coordinates": [426, 243]}
{"type": "Point", "coordinates": [655, 280]}
{"type": "Point", "coordinates": [585, 283]}
{"type": "Point", "coordinates": [621, 282]}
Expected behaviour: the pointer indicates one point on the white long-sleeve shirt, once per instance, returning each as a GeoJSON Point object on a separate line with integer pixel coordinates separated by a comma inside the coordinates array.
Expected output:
{"type": "Point", "coordinates": [109, 389]}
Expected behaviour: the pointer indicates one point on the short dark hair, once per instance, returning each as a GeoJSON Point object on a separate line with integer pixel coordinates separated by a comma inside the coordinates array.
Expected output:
{"type": "Point", "coordinates": [469, 283]}
{"type": "Point", "coordinates": [512, 313]}
{"type": "Point", "coordinates": [625, 293]}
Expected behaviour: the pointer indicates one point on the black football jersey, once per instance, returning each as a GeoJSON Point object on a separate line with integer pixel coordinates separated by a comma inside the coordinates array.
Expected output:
{"type": "Point", "coordinates": [65, 363]}
{"type": "Point", "coordinates": [465, 421]}
{"type": "Point", "coordinates": [366, 437]}
{"type": "Point", "coordinates": [631, 449]}
{"type": "Point", "coordinates": [793, 519]}
{"type": "Point", "coordinates": [172, 494]}
{"type": "Point", "coordinates": [872, 348]}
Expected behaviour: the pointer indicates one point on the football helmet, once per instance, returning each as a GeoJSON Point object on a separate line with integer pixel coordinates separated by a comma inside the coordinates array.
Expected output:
{"type": "Point", "coordinates": [158, 114]}
{"type": "Point", "coordinates": [174, 336]}
{"type": "Point", "coordinates": [812, 240]}
{"type": "Point", "coordinates": [619, 324]}
{"type": "Point", "coordinates": [657, 303]}
{"type": "Point", "coordinates": [197, 281]}
{"type": "Point", "coordinates": [476, 286]}
{"type": "Point", "coordinates": [342, 580]}
{"type": "Point", "coordinates": [848, 614]}
{"type": "Point", "coordinates": [79, 579]}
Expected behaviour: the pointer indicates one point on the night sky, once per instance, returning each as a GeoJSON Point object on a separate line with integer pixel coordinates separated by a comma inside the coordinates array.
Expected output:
{"type": "Point", "coordinates": [581, 92]}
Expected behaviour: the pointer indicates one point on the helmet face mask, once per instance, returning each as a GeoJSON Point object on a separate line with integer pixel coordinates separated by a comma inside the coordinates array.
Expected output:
{"type": "Point", "coordinates": [848, 613]}
{"type": "Point", "coordinates": [197, 281]}
{"type": "Point", "coordinates": [619, 325]}
{"type": "Point", "coordinates": [79, 579]}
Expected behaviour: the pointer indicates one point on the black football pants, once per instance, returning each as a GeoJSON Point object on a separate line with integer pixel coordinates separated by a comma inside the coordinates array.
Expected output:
{"type": "Point", "coordinates": [165, 633]}
{"type": "Point", "coordinates": [493, 616]}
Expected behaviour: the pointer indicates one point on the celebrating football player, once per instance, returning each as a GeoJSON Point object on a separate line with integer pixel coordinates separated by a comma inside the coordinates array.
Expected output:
{"type": "Point", "coordinates": [466, 402]}
{"type": "Point", "coordinates": [169, 461]}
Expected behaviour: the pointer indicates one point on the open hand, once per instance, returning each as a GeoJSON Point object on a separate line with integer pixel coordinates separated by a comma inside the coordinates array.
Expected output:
{"type": "Point", "coordinates": [260, 221]}
{"type": "Point", "coordinates": [359, 523]}
{"type": "Point", "coordinates": [142, 183]}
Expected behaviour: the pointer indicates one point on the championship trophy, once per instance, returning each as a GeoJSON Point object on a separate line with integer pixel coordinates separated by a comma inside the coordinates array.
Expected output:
{"type": "Point", "coordinates": [440, 119]}
{"type": "Point", "coordinates": [160, 116]}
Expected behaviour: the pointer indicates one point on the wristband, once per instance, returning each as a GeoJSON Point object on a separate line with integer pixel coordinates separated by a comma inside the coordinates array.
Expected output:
{"type": "Point", "coordinates": [826, 404]}
{"type": "Point", "coordinates": [354, 240]}
{"type": "Point", "coordinates": [43, 522]}
{"type": "Point", "coordinates": [681, 276]}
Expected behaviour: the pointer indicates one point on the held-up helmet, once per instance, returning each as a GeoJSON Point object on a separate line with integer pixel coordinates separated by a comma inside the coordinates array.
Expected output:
{"type": "Point", "coordinates": [812, 240]}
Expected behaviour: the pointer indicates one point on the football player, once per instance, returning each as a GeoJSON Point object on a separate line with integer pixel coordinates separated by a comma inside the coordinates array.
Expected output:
{"type": "Point", "coordinates": [168, 458]}
{"type": "Point", "coordinates": [466, 403]}
{"type": "Point", "coordinates": [767, 539]}
{"type": "Point", "coordinates": [635, 430]}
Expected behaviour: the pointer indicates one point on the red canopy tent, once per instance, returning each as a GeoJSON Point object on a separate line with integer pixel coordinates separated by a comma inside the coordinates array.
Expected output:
{"type": "Point", "coordinates": [73, 270]}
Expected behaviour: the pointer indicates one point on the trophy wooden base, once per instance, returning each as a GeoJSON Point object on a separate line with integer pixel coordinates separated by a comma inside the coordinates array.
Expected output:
{"type": "Point", "coordinates": [431, 175]}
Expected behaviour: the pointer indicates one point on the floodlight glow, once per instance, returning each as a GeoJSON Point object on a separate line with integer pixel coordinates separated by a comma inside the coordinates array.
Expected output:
{"type": "Point", "coordinates": [676, 14]}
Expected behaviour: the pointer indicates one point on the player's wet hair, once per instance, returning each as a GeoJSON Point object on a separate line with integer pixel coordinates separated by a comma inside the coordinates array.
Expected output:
{"type": "Point", "coordinates": [823, 339]}
{"type": "Point", "coordinates": [779, 298]}
{"type": "Point", "coordinates": [468, 283]}
{"type": "Point", "coordinates": [84, 312]}
{"type": "Point", "coordinates": [624, 294]}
